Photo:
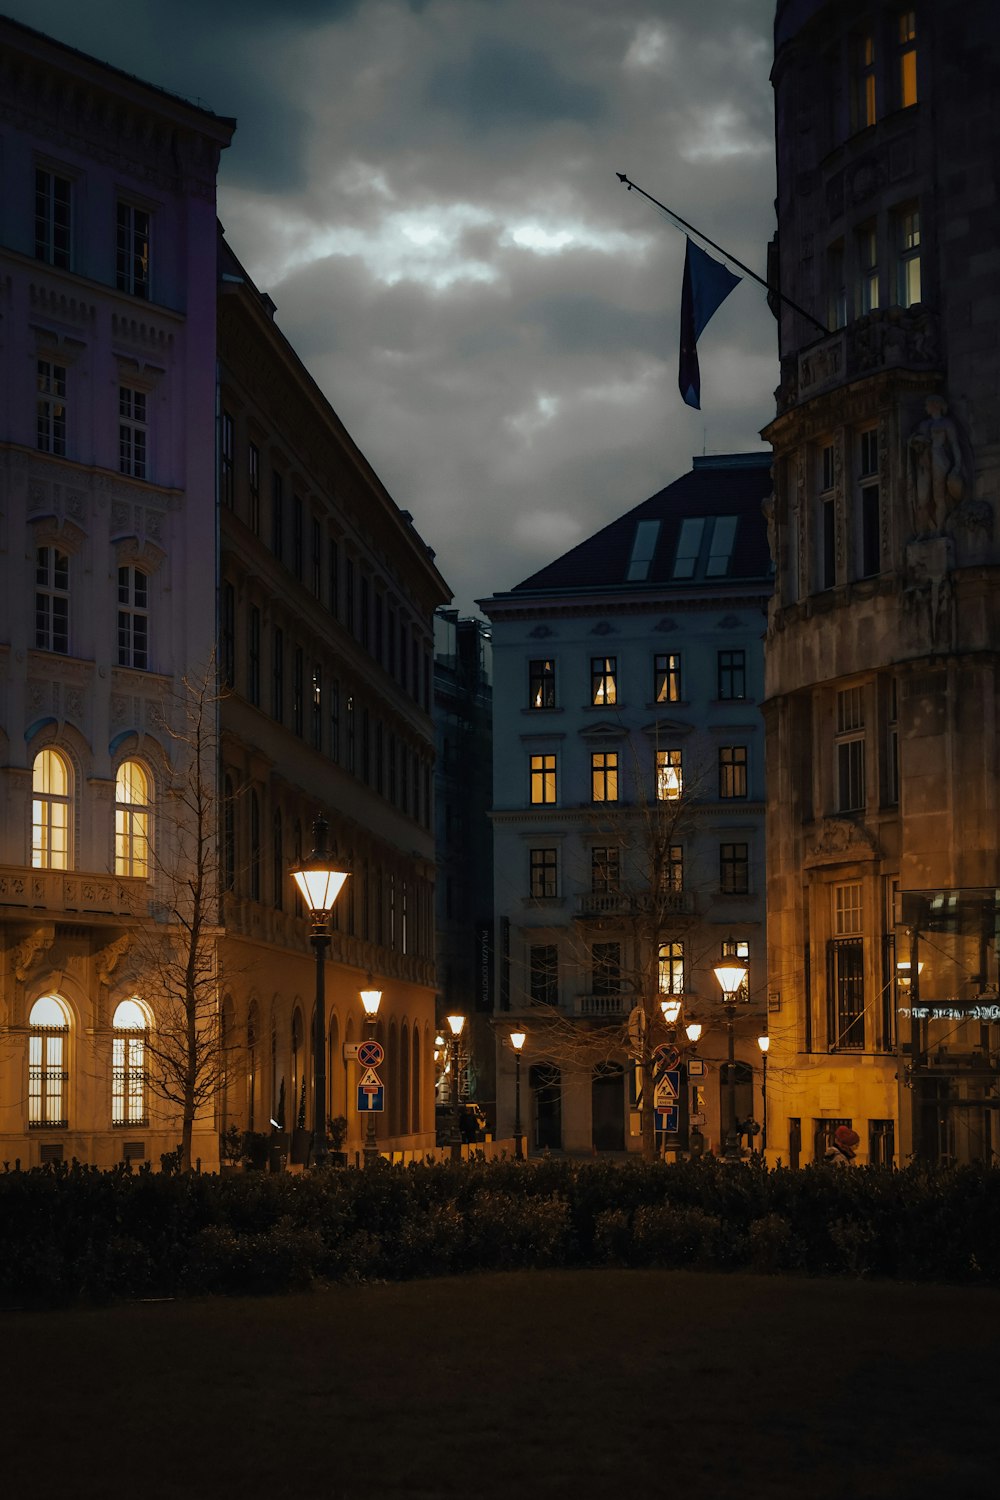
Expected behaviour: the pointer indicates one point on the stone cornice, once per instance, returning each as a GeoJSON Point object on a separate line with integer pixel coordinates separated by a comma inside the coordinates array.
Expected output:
{"type": "Point", "coordinates": [577, 604]}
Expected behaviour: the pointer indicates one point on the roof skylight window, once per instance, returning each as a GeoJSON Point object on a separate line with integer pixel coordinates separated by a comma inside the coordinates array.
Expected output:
{"type": "Point", "coordinates": [646, 536]}
{"type": "Point", "coordinates": [688, 546]}
{"type": "Point", "coordinates": [723, 536]}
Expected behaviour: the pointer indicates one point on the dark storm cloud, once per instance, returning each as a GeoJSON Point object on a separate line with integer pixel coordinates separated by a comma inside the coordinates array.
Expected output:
{"type": "Point", "coordinates": [427, 189]}
{"type": "Point", "coordinates": [502, 84]}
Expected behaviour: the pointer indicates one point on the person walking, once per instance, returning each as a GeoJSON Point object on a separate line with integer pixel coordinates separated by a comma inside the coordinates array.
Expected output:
{"type": "Point", "coordinates": [840, 1152]}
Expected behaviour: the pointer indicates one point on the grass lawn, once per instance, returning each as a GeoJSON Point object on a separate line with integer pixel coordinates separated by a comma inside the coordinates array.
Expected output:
{"type": "Point", "coordinates": [616, 1383]}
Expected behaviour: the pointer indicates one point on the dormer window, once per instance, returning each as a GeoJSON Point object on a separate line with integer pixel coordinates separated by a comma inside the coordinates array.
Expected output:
{"type": "Point", "coordinates": [688, 547]}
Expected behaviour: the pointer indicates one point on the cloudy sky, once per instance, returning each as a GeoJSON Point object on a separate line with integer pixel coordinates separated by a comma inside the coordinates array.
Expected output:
{"type": "Point", "coordinates": [427, 190]}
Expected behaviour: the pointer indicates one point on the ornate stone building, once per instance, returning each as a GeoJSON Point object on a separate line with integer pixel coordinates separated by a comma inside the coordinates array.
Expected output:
{"type": "Point", "coordinates": [882, 686]}
{"type": "Point", "coordinates": [176, 496]}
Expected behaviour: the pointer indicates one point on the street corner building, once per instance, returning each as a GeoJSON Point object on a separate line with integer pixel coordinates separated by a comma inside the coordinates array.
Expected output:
{"type": "Point", "coordinates": [215, 625]}
{"type": "Point", "coordinates": [628, 822]}
{"type": "Point", "coordinates": [882, 668]}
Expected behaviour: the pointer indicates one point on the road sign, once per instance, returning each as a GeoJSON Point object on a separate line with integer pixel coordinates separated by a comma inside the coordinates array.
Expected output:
{"type": "Point", "coordinates": [667, 1055]}
{"type": "Point", "coordinates": [351, 1050]}
{"type": "Point", "coordinates": [696, 1067]}
{"type": "Point", "coordinates": [698, 1119]}
{"type": "Point", "coordinates": [371, 1094]}
{"type": "Point", "coordinates": [370, 1053]}
{"type": "Point", "coordinates": [668, 1119]}
{"type": "Point", "coordinates": [667, 1089]}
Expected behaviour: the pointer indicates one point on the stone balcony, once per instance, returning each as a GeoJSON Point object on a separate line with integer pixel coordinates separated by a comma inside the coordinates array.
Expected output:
{"type": "Point", "coordinates": [614, 1007]}
{"type": "Point", "coordinates": [889, 338]}
{"type": "Point", "coordinates": [597, 905]}
{"type": "Point", "coordinates": [72, 892]}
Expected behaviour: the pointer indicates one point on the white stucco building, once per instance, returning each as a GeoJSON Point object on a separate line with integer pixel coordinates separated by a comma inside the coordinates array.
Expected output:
{"type": "Point", "coordinates": [628, 677]}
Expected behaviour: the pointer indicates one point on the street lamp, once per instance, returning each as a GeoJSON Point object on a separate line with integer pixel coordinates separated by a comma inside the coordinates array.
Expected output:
{"type": "Point", "coordinates": [371, 999]}
{"type": "Point", "coordinates": [456, 1023]}
{"type": "Point", "coordinates": [731, 974]}
{"type": "Point", "coordinates": [693, 1031]}
{"type": "Point", "coordinates": [517, 1040]}
{"type": "Point", "coordinates": [763, 1042]}
{"type": "Point", "coordinates": [320, 877]}
{"type": "Point", "coordinates": [671, 1010]}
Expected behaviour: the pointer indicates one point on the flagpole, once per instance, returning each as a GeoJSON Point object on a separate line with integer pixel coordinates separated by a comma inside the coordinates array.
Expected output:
{"type": "Point", "coordinates": [772, 290]}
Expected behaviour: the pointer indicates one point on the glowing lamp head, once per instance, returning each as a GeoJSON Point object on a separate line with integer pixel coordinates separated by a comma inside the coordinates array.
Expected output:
{"type": "Point", "coordinates": [320, 876]}
{"type": "Point", "coordinates": [371, 999]}
{"type": "Point", "coordinates": [671, 1010]}
{"type": "Point", "coordinates": [517, 1040]}
{"type": "Point", "coordinates": [693, 1030]}
{"type": "Point", "coordinates": [763, 1042]}
{"type": "Point", "coordinates": [731, 973]}
{"type": "Point", "coordinates": [456, 1023]}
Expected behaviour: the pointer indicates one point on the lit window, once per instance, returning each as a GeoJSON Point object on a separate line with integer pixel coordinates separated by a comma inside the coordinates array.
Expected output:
{"type": "Point", "coordinates": [643, 548]}
{"type": "Point", "coordinates": [132, 821]}
{"type": "Point", "coordinates": [51, 600]}
{"type": "Point", "coordinates": [907, 59]}
{"type": "Point", "coordinates": [851, 792]}
{"type": "Point", "coordinates": [543, 872]}
{"type": "Point", "coordinates": [603, 681]}
{"type": "Point", "coordinates": [720, 551]}
{"type": "Point", "coordinates": [541, 684]}
{"type": "Point", "coordinates": [868, 267]}
{"type": "Point", "coordinates": [908, 288]}
{"type": "Point", "coordinates": [543, 779]}
{"type": "Point", "coordinates": [50, 809]}
{"type": "Point", "coordinates": [50, 427]}
{"type": "Point", "coordinates": [669, 775]}
{"type": "Point", "coordinates": [863, 90]}
{"type": "Point", "coordinates": [128, 1066]}
{"type": "Point", "coordinates": [734, 869]}
{"type": "Point", "coordinates": [846, 976]}
{"type": "Point", "coordinates": [47, 1056]}
{"type": "Point", "coordinates": [667, 678]}
{"type": "Point", "coordinates": [688, 547]}
{"type": "Point", "coordinates": [732, 674]}
{"type": "Point", "coordinates": [733, 771]}
{"type": "Point", "coordinates": [133, 618]}
{"type": "Point", "coordinates": [671, 968]}
{"type": "Point", "coordinates": [132, 250]}
{"type": "Point", "coordinates": [53, 219]}
{"type": "Point", "coordinates": [604, 776]}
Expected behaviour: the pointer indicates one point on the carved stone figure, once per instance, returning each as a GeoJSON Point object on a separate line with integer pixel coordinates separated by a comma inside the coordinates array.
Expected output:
{"type": "Point", "coordinates": [938, 482]}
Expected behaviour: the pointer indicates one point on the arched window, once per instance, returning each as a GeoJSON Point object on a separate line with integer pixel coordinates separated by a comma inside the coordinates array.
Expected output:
{"type": "Point", "coordinates": [404, 1080]}
{"type": "Point", "coordinates": [47, 1075]}
{"type": "Point", "coordinates": [51, 788]}
{"type": "Point", "coordinates": [130, 1025]}
{"type": "Point", "coordinates": [392, 1072]}
{"type": "Point", "coordinates": [254, 847]}
{"type": "Point", "coordinates": [132, 820]}
{"type": "Point", "coordinates": [415, 1084]}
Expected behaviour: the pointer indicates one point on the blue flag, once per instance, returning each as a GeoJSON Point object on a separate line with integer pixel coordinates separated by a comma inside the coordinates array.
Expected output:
{"type": "Point", "coordinates": [707, 284]}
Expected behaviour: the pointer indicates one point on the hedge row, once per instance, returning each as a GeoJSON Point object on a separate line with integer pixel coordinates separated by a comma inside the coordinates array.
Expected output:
{"type": "Point", "coordinates": [74, 1233]}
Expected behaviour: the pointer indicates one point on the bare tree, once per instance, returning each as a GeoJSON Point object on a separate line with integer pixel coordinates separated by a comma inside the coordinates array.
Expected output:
{"type": "Point", "coordinates": [175, 952]}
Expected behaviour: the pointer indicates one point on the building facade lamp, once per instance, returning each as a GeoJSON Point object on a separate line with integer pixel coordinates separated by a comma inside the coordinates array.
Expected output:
{"type": "Point", "coordinates": [320, 876]}
{"type": "Point", "coordinates": [731, 974]}
{"type": "Point", "coordinates": [371, 999]}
